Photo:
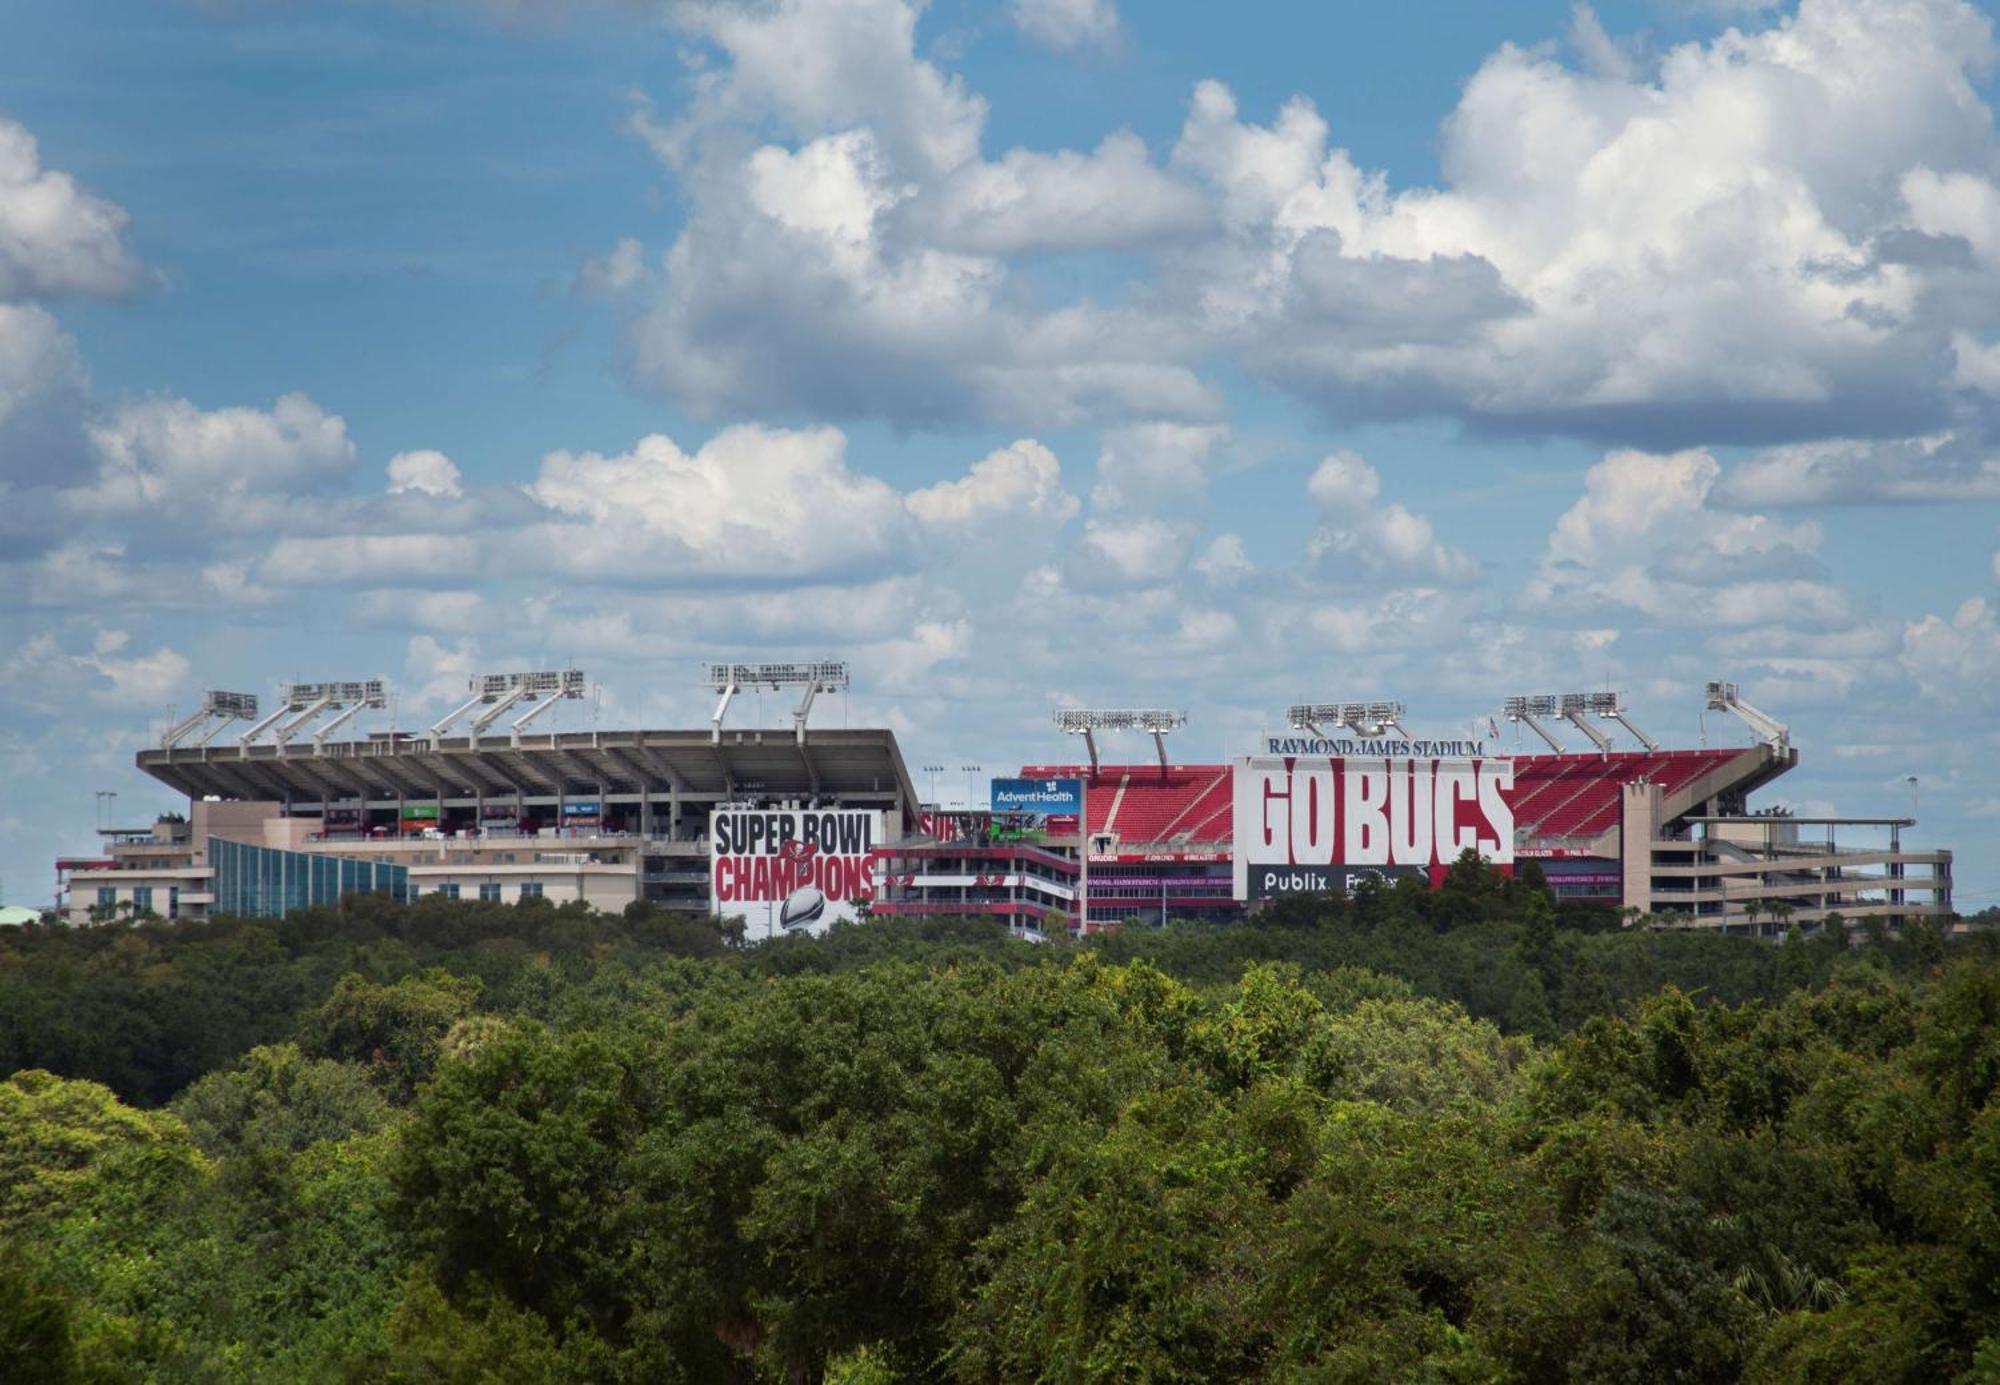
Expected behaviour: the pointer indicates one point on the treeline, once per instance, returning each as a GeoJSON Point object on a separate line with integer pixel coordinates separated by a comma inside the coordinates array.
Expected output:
{"type": "Point", "coordinates": [1389, 1138]}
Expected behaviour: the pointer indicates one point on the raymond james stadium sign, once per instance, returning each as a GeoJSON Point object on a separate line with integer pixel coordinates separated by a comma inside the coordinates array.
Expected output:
{"type": "Point", "coordinates": [1402, 750]}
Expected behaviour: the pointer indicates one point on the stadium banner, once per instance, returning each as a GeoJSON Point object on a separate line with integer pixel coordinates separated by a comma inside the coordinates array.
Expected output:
{"type": "Point", "coordinates": [1116, 858]}
{"type": "Point", "coordinates": [790, 870]}
{"type": "Point", "coordinates": [1044, 798]}
{"type": "Point", "coordinates": [1033, 810]}
{"type": "Point", "coordinates": [1309, 824]}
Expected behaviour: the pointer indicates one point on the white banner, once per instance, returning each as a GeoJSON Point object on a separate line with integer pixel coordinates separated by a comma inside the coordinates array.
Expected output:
{"type": "Point", "coordinates": [792, 870]}
{"type": "Point", "coordinates": [1306, 824]}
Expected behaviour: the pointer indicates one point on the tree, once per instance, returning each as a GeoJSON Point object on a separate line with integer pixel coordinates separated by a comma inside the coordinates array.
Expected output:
{"type": "Point", "coordinates": [395, 1028]}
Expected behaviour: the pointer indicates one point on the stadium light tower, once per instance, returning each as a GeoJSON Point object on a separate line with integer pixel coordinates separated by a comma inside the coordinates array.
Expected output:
{"type": "Point", "coordinates": [1363, 718]}
{"type": "Point", "coordinates": [304, 703]}
{"type": "Point", "coordinates": [310, 701]}
{"type": "Point", "coordinates": [350, 700]}
{"type": "Point", "coordinates": [1575, 709]}
{"type": "Point", "coordinates": [1723, 697]}
{"type": "Point", "coordinates": [1610, 706]}
{"type": "Point", "coordinates": [1086, 722]}
{"type": "Point", "coordinates": [1529, 711]}
{"type": "Point", "coordinates": [499, 691]}
{"type": "Point", "coordinates": [829, 675]}
{"type": "Point", "coordinates": [224, 707]}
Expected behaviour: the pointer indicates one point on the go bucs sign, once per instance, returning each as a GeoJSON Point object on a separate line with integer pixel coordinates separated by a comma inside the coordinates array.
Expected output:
{"type": "Point", "coordinates": [1306, 824]}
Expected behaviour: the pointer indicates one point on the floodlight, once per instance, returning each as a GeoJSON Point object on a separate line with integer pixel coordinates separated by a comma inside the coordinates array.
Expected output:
{"type": "Point", "coordinates": [1087, 721]}
{"type": "Point", "coordinates": [1364, 718]}
{"type": "Point", "coordinates": [827, 675]}
{"type": "Point", "coordinates": [1723, 697]}
{"type": "Point", "coordinates": [499, 691]}
{"type": "Point", "coordinates": [223, 707]}
{"type": "Point", "coordinates": [1528, 710]}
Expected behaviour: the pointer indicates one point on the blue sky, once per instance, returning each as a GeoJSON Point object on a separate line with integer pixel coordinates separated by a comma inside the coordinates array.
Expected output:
{"type": "Point", "coordinates": [1022, 352]}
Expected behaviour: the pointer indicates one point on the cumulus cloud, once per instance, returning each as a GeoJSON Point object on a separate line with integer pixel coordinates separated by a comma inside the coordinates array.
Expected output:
{"type": "Point", "coordinates": [45, 674]}
{"type": "Point", "coordinates": [424, 472]}
{"type": "Point", "coordinates": [169, 455]}
{"type": "Point", "coordinates": [1156, 466]}
{"type": "Point", "coordinates": [1360, 537]}
{"type": "Point", "coordinates": [55, 238]}
{"type": "Point", "coordinates": [847, 253]}
{"type": "Point", "coordinates": [1787, 231]}
{"type": "Point", "coordinates": [1698, 233]}
{"type": "Point", "coordinates": [762, 503]}
{"type": "Point", "coordinates": [43, 393]}
{"type": "Point", "coordinates": [1067, 25]}
{"type": "Point", "coordinates": [1646, 535]}
{"type": "Point", "coordinates": [1136, 552]}
{"type": "Point", "coordinates": [1956, 659]}
{"type": "Point", "coordinates": [1023, 478]}
{"type": "Point", "coordinates": [751, 502]}
{"type": "Point", "coordinates": [1225, 560]}
{"type": "Point", "coordinates": [1940, 467]}
{"type": "Point", "coordinates": [1026, 202]}
{"type": "Point", "coordinates": [369, 559]}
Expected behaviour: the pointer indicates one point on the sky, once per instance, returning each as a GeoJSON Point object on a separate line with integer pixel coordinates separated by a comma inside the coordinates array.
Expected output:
{"type": "Point", "coordinates": [1023, 354]}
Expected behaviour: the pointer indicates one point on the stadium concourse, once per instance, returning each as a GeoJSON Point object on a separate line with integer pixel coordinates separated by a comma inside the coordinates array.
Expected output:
{"type": "Point", "coordinates": [821, 822]}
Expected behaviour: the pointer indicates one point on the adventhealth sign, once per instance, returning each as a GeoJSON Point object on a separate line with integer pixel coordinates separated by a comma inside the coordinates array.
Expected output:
{"type": "Point", "coordinates": [1039, 797]}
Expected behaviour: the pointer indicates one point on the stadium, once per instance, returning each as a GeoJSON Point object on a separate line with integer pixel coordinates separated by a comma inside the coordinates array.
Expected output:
{"type": "Point", "coordinates": [798, 826]}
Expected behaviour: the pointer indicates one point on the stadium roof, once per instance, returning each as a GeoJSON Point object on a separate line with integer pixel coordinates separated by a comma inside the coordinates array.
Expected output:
{"type": "Point", "coordinates": [742, 764]}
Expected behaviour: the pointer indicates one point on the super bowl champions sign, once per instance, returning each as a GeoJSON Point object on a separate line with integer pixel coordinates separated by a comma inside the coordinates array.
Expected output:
{"type": "Point", "coordinates": [792, 870]}
{"type": "Point", "coordinates": [1307, 824]}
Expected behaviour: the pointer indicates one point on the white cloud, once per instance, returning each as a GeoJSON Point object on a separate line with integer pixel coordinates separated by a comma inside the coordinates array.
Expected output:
{"type": "Point", "coordinates": [1023, 477]}
{"type": "Point", "coordinates": [1788, 231]}
{"type": "Point", "coordinates": [55, 239]}
{"type": "Point", "coordinates": [1225, 560]}
{"type": "Point", "coordinates": [1940, 467]}
{"type": "Point", "coordinates": [43, 675]}
{"type": "Point", "coordinates": [1956, 660]}
{"type": "Point", "coordinates": [1601, 53]}
{"type": "Point", "coordinates": [1135, 552]}
{"type": "Point", "coordinates": [1067, 25]}
{"type": "Point", "coordinates": [1156, 466]}
{"type": "Point", "coordinates": [751, 502]}
{"type": "Point", "coordinates": [1699, 234]}
{"type": "Point", "coordinates": [824, 66]}
{"type": "Point", "coordinates": [166, 454]}
{"type": "Point", "coordinates": [437, 673]}
{"type": "Point", "coordinates": [368, 558]}
{"type": "Point", "coordinates": [1645, 535]}
{"type": "Point", "coordinates": [43, 393]}
{"type": "Point", "coordinates": [425, 472]}
{"type": "Point", "coordinates": [421, 608]}
{"type": "Point", "coordinates": [1376, 540]}
{"type": "Point", "coordinates": [1028, 202]}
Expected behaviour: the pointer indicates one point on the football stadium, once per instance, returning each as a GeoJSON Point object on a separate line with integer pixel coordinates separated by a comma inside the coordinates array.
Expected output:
{"type": "Point", "coordinates": [796, 827]}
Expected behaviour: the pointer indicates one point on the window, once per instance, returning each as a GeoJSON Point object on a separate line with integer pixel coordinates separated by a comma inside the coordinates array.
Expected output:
{"type": "Point", "coordinates": [531, 889]}
{"type": "Point", "coordinates": [142, 899]}
{"type": "Point", "coordinates": [173, 901]}
{"type": "Point", "coordinates": [490, 893]}
{"type": "Point", "coordinates": [107, 897]}
{"type": "Point", "coordinates": [448, 891]}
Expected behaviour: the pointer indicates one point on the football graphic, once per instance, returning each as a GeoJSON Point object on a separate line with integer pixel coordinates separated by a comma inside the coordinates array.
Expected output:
{"type": "Point", "coordinates": [802, 909]}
